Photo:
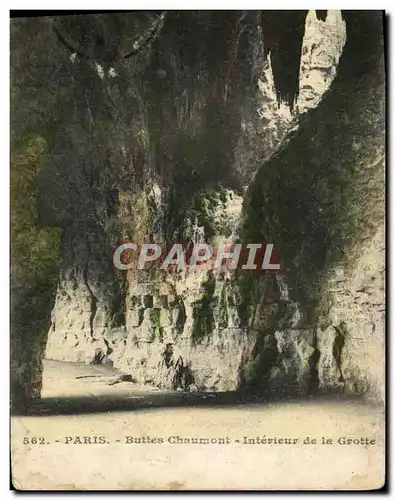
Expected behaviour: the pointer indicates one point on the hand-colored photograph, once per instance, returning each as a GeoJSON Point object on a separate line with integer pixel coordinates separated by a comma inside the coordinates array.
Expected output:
{"type": "Point", "coordinates": [198, 250]}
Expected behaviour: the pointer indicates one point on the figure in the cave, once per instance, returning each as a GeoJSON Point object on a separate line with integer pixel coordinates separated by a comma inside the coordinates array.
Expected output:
{"type": "Point", "coordinates": [172, 371]}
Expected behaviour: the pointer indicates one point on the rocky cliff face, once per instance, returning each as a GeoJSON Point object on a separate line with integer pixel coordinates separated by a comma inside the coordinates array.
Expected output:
{"type": "Point", "coordinates": [350, 337]}
{"type": "Point", "coordinates": [324, 207]}
{"type": "Point", "coordinates": [169, 146]}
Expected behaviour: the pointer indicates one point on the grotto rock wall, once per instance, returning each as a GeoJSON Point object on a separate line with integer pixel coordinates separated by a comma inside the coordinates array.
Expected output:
{"type": "Point", "coordinates": [321, 199]}
{"type": "Point", "coordinates": [351, 333]}
{"type": "Point", "coordinates": [172, 148]}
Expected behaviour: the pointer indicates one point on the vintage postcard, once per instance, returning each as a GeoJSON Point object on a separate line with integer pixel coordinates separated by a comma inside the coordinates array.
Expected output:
{"type": "Point", "coordinates": [198, 250]}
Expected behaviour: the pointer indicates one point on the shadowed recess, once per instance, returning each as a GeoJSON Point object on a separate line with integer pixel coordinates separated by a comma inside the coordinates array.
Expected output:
{"type": "Point", "coordinates": [283, 37]}
{"type": "Point", "coordinates": [79, 405]}
{"type": "Point", "coordinates": [321, 14]}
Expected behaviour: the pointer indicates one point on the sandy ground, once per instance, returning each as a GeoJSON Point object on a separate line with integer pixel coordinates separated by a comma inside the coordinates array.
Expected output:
{"type": "Point", "coordinates": [85, 434]}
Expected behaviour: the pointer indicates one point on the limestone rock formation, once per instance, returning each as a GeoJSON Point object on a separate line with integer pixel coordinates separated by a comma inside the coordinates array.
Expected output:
{"type": "Point", "coordinates": [352, 348]}
{"type": "Point", "coordinates": [200, 137]}
{"type": "Point", "coordinates": [321, 199]}
{"type": "Point", "coordinates": [199, 313]}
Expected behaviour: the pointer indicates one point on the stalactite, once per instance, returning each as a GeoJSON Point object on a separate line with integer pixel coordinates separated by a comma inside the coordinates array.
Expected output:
{"type": "Point", "coordinates": [283, 36]}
